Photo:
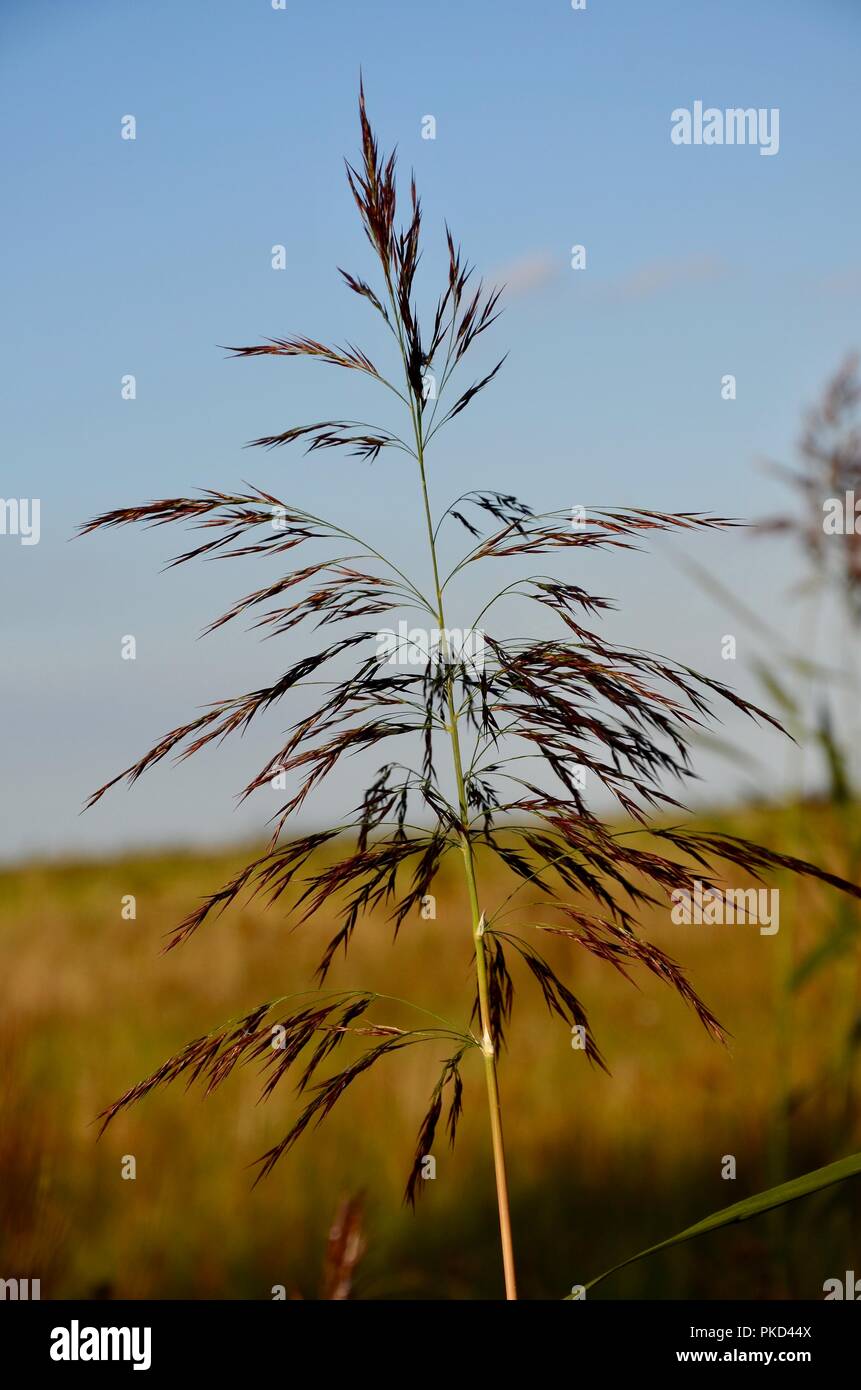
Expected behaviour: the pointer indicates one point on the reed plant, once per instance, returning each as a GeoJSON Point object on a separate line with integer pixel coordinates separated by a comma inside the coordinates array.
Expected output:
{"type": "Point", "coordinates": [491, 751]}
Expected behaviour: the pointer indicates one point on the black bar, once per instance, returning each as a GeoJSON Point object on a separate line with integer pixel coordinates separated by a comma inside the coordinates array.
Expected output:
{"type": "Point", "coordinates": [410, 1340]}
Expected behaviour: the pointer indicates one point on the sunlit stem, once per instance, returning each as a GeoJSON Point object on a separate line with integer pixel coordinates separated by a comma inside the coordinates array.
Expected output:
{"type": "Point", "coordinates": [488, 1042]}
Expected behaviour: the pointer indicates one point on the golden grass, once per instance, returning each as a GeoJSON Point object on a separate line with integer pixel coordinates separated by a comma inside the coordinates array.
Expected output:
{"type": "Point", "coordinates": [600, 1166]}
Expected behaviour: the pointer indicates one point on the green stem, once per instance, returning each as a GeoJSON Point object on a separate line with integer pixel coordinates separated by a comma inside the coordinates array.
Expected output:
{"type": "Point", "coordinates": [487, 1041]}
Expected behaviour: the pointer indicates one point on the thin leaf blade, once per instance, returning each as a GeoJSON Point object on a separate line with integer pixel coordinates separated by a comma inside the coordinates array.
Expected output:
{"type": "Point", "coordinates": [804, 1186]}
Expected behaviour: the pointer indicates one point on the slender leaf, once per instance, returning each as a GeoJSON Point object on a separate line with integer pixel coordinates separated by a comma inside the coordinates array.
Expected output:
{"type": "Point", "coordinates": [808, 1183]}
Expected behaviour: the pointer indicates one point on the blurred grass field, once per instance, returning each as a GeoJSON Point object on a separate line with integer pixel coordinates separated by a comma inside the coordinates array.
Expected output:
{"type": "Point", "coordinates": [600, 1166]}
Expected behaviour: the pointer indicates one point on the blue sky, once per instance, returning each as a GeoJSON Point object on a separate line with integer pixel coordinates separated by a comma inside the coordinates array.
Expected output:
{"type": "Point", "coordinates": [552, 130]}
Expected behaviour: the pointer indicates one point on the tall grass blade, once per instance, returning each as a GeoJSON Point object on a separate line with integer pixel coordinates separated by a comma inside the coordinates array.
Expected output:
{"type": "Point", "coordinates": [761, 1202]}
